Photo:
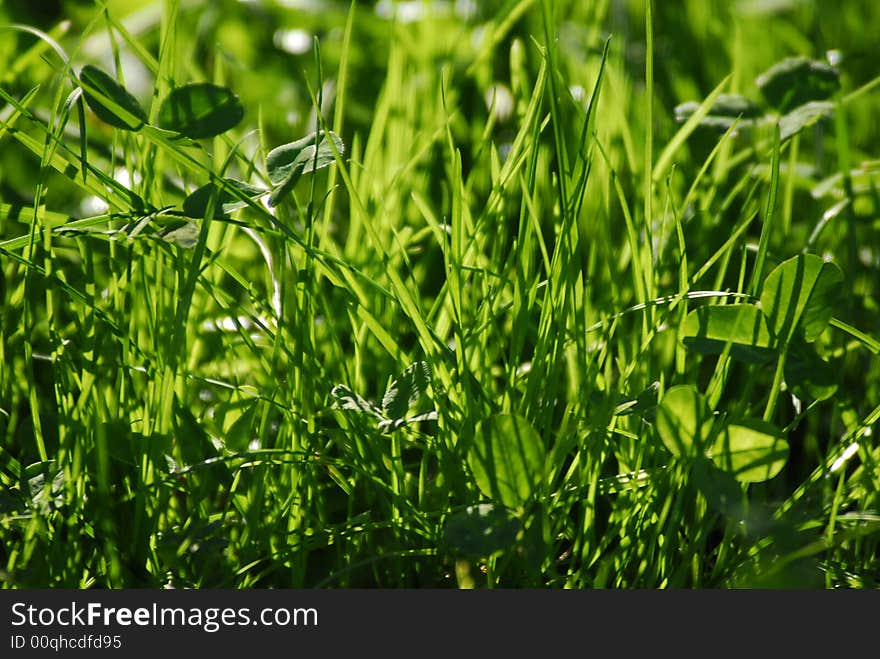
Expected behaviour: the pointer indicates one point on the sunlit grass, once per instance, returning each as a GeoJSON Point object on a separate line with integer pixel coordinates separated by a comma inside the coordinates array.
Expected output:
{"type": "Point", "coordinates": [475, 337]}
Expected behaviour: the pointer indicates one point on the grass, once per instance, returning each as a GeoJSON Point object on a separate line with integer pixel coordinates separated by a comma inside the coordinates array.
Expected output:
{"type": "Point", "coordinates": [516, 327]}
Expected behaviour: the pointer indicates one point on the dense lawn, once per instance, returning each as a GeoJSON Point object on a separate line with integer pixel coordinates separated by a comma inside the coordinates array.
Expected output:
{"type": "Point", "coordinates": [546, 294]}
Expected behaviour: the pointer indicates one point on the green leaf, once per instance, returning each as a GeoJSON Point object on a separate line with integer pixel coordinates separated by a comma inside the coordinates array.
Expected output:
{"type": "Point", "coordinates": [345, 399]}
{"type": "Point", "coordinates": [683, 421]}
{"type": "Point", "coordinates": [288, 162]}
{"type": "Point", "coordinates": [46, 495]}
{"type": "Point", "coordinates": [390, 425]}
{"type": "Point", "coordinates": [199, 110]}
{"type": "Point", "coordinates": [808, 375]}
{"type": "Point", "coordinates": [192, 441]}
{"type": "Point", "coordinates": [645, 404]}
{"type": "Point", "coordinates": [479, 531]}
{"type": "Point", "coordinates": [804, 116]}
{"type": "Point", "coordinates": [726, 109]}
{"type": "Point", "coordinates": [110, 101]}
{"type": "Point", "coordinates": [196, 204]}
{"type": "Point", "coordinates": [798, 80]}
{"type": "Point", "coordinates": [735, 105]}
{"type": "Point", "coordinates": [799, 294]}
{"type": "Point", "coordinates": [405, 391]}
{"type": "Point", "coordinates": [722, 491]}
{"type": "Point", "coordinates": [180, 232]}
{"type": "Point", "coordinates": [751, 451]}
{"type": "Point", "coordinates": [707, 330]}
{"type": "Point", "coordinates": [507, 459]}
{"type": "Point", "coordinates": [240, 433]}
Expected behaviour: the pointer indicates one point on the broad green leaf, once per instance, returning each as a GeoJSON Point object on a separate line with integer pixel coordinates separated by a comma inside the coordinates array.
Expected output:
{"type": "Point", "coordinates": [345, 399]}
{"type": "Point", "coordinates": [809, 376]}
{"type": "Point", "coordinates": [405, 391]}
{"type": "Point", "coordinates": [287, 157]}
{"type": "Point", "coordinates": [707, 330]}
{"type": "Point", "coordinates": [110, 101]}
{"type": "Point", "coordinates": [168, 227]}
{"type": "Point", "coordinates": [683, 421]}
{"type": "Point", "coordinates": [46, 495]}
{"type": "Point", "coordinates": [200, 109]}
{"type": "Point", "coordinates": [800, 293]}
{"type": "Point", "coordinates": [722, 491]}
{"type": "Point", "coordinates": [863, 179]}
{"type": "Point", "coordinates": [196, 204]}
{"type": "Point", "coordinates": [240, 433]}
{"type": "Point", "coordinates": [797, 80]}
{"type": "Point", "coordinates": [735, 105]}
{"type": "Point", "coordinates": [390, 425]}
{"type": "Point", "coordinates": [645, 404]}
{"type": "Point", "coordinates": [288, 162]}
{"type": "Point", "coordinates": [751, 451]}
{"type": "Point", "coordinates": [803, 116]}
{"type": "Point", "coordinates": [192, 441]}
{"type": "Point", "coordinates": [180, 232]}
{"type": "Point", "coordinates": [479, 531]}
{"type": "Point", "coordinates": [507, 459]}
{"type": "Point", "coordinates": [726, 109]}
